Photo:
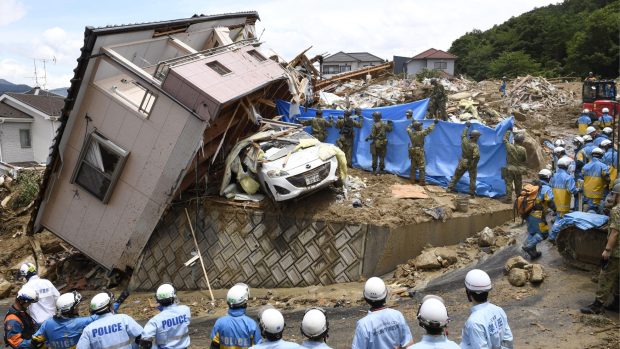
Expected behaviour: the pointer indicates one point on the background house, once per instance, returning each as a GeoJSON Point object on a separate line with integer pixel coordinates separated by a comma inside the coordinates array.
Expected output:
{"type": "Point", "coordinates": [431, 59]}
{"type": "Point", "coordinates": [28, 123]}
{"type": "Point", "coordinates": [342, 62]}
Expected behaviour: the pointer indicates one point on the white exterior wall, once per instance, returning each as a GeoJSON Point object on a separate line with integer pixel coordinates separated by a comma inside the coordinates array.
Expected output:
{"type": "Point", "coordinates": [430, 64]}
{"type": "Point", "coordinates": [414, 67]}
{"type": "Point", "coordinates": [11, 145]}
{"type": "Point", "coordinates": [354, 66]}
{"type": "Point", "coordinates": [43, 133]}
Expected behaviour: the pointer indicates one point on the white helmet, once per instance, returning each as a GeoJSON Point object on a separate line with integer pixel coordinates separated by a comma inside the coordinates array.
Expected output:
{"type": "Point", "coordinates": [605, 143]}
{"type": "Point", "coordinates": [586, 111]}
{"type": "Point", "coordinates": [598, 152]}
{"type": "Point", "coordinates": [272, 321]}
{"type": "Point", "coordinates": [27, 269]}
{"type": "Point", "coordinates": [68, 301]}
{"type": "Point", "coordinates": [314, 323]}
{"type": "Point", "coordinates": [544, 173]}
{"type": "Point", "coordinates": [577, 140]}
{"type": "Point", "coordinates": [558, 150]}
{"type": "Point", "coordinates": [165, 292]}
{"type": "Point", "coordinates": [433, 313]}
{"type": "Point", "coordinates": [375, 290]}
{"type": "Point", "coordinates": [100, 302]}
{"type": "Point", "coordinates": [238, 295]}
{"type": "Point", "coordinates": [564, 162]}
{"type": "Point", "coordinates": [587, 138]}
{"type": "Point", "coordinates": [607, 131]}
{"type": "Point", "coordinates": [605, 110]}
{"type": "Point", "coordinates": [27, 294]}
{"type": "Point", "coordinates": [477, 280]}
{"type": "Point", "coordinates": [590, 129]}
{"type": "Point", "coordinates": [559, 143]}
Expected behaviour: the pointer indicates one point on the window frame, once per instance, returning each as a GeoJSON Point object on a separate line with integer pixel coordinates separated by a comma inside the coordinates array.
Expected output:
{"type": "Point", "coordinates": [257, 56]}
{"type": "Point", "coordinates": [29, 133]}
{"type": "Point", "coordinates": [216, 66]}
{"type": "Point", "coordinates": [110, 146]}
{"type": "Point", "coordinates": [441, 65]}
{"type": "Point", "coordinates": [331, 69]}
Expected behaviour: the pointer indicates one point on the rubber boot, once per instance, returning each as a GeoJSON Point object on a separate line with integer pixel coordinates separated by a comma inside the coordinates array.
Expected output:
{"type": "Point", "coordinates": [422, 181]}
{"type": "Point", "coordinates": [531, 251]}
{"type": "Point", "coordinates": [472, 194]}
{"type": "Point", "coordinates": [614, 305]}
{"type": "Point", "coordinates": [374, 171]}
{"type": "Point", "coordinates": [595, 308]}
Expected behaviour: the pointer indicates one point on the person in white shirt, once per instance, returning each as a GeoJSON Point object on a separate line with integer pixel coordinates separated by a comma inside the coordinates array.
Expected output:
{"type": "Point", "coordinates": [45, 308]}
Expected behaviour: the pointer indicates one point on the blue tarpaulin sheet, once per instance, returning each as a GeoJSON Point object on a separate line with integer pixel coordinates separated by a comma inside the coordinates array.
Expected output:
{"type": "Point", "coordinates": [442, 147]}
{"type": "Point", "coordinates": [581, 220]}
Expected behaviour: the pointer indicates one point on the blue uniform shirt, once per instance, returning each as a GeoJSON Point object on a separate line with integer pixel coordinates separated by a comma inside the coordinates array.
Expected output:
{"type": "Point", "coordinates": [279, 344]}
{"type": "Point", "coordinates": [605, 120]}
{"type": "Point", "coordinates": [599, 138]}
{"type": "Point", "coordinates": [384, 328]}
{"type": "Point", "coordinates": [486, 327]}
{"type": "Point", "coordinates": [110, 330]}
{"type": "Point", "coordinates": [169, 328]}
{"type": "Point", "coordinates": [61, 332]}
{"type": "Point", "coordinates": [610, 158]}
{"type": "Point", "coordinates": [587, 149]}
{"type": "Point", "coordinates": [434, 342]}
{"type": "Point", "coordinates": [235, 330]}
{"type": "Point", "coordinates": [315, 345]}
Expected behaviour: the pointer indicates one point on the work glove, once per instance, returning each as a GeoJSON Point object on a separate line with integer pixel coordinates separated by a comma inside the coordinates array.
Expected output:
{"type": "Point", "coordinates": [436, 121]}
{"type": "Point", "coordinates": [467, 124]}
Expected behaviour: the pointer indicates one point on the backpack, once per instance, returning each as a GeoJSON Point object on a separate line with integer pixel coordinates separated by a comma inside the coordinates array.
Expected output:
{"type": "Point", "coordinates": [526, 200]}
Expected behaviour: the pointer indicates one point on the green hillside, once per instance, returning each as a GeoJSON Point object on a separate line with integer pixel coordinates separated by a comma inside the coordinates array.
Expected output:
{"type": "Point", "coordinates": [568, 39]}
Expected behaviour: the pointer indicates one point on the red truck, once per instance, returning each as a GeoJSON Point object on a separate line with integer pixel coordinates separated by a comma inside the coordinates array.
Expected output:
{"type": "Point", "coordinates": [599, 94]}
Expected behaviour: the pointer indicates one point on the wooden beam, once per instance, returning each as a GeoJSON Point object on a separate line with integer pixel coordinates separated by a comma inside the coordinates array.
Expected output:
{"type": "Point", "coordinates": [350, 75]}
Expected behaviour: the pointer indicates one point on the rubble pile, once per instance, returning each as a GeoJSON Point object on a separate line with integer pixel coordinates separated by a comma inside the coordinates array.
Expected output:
{"type": "Point", "coordinates": [536, 93]}
{"type": "Point", "coordinates": [520, 271]}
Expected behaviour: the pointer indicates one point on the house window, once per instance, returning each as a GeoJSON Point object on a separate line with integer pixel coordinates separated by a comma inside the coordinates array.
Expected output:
{"type": "Point", "coordinates": [219, 68]}
{"type": "Point", "coordinates": [257, 55]}
{"type": "Point", "coordinates": [99, 166]}
{"type": "Point", "coordinates": [345, 68]}
{"type": "Point", "coordinates": [24, 138]}
{"type": "Point", "coordinates": [441, 65]}
{"type": "Point", "coordinates": [331, 69]}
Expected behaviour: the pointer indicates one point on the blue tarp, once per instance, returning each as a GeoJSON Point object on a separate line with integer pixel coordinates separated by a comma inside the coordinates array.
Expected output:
{"type": "Point", "coordinates": [581, 220]}
{"type": "Point", "coordinates": [442, 147]}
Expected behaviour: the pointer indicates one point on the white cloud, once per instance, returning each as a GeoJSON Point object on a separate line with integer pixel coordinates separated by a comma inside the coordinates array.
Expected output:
{"type": "Point", "coordinates": [11, 11]}
{"type": "Point", "coordinates": [56, 44]}
{"type": "Point", "coordinates": [14, 71]}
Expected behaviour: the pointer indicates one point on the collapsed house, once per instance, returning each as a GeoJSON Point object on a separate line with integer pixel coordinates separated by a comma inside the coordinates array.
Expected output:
{"type": "Point", "coordinates": [150, 108]}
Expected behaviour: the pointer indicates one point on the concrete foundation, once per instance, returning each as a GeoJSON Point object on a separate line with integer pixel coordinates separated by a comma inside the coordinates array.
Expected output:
{"type": "Point", "coordinates": [264, 249]}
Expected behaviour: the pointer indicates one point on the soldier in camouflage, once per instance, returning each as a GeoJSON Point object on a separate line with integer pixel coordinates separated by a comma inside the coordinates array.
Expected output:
{"type": "Point", "coordinates": [378, 135]}
{"type": "Point", "coordinates": [416, 150]}
{"type": "Point", "coordinates": [437, 104]}
{"type": "Point", "coordinates": [609, 276]}
{"type": "Point", "coordinates": [470, 155]}
{"type": "Point", "coordinates": [516, 157]}
{"type": "Point", "coordinates": [345, 142]}
{"type": "Point", "coordinates": [319, 125]}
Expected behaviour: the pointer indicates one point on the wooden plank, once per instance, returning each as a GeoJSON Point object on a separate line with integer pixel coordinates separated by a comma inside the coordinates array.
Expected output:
{"type": "Point", "coordinates": [320, 84]}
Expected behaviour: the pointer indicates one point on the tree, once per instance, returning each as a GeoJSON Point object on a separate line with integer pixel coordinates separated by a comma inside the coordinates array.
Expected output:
{"type": "Point", "coordinates": [513, 64]}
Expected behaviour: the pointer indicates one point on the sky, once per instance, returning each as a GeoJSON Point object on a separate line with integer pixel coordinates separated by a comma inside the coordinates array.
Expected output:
{"type": "Point", "coordinates": [48, 34]}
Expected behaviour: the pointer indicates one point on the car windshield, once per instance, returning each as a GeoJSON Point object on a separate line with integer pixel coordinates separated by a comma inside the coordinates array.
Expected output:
{"type": "Point", "coordinates": [280, 147]}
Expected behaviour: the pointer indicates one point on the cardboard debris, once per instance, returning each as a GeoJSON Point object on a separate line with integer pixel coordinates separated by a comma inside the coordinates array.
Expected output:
{"type": "Point", "coordinates": [408, 191]}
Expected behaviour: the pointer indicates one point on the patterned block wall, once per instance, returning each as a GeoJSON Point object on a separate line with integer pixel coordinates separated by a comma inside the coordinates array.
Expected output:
{"type": "Point", "coordinates": [259, 248]}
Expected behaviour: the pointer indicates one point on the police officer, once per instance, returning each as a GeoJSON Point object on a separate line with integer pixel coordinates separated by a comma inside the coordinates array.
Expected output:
{"type": "Point", "coordinates": [608, 278]}
{"type": "Point", "coordinates": [502, 88]}
{"type": "Point", "coordinates": [516, 158]}
{"type": "Point", "coordinates": [537, 227]}
{"type": "Point", "coordinates": [416, 151]}
{"type": "Point", "coordinates": [345, 142]}
{"type": "Point", "coordinates": [19, 326]}
{"type": "Point", "coordinates": [583, 121]}
{"type": "Point", "coordinates": [586, 151]}
{"type": "Point", "coordinates": [605, 120]}
{"type": "Point", "coordinates": [315, 327]}
{"type": "Point", "coordinates": [272, 326]}
{"type": "Point", "coordinates": [45, 308]}
{"type": "Point", "coordinates": [487, 326]}
{"type": "Point", "coordinates": [597, 138]}
{"type": "Point", "coordinates": [437, 105]}
{"type": "Point", "coordinates": [470, 155]}
{"type": "Point", "coordinates": [319, 125]}
{"type": "Point", "coordinates": [563, 187]}
{"type": "Point", "coordinates": [169, 328]}
{"type": "Point", "coordinates": [109, 330]}
{"type": "Point", "coordinates": [433, 317]}
{"type": "Point", "coordinates": [236, 330]}
{"type": "Point", "coordinates": [383, 327]}
{"type": "Point", "coordinates": [378, 135]}
{"type": "Point", "coordinates": [611, 160]}
{"type": "Point", "coordinates": [63, 330]}
{"type": "Point", "coordinates": [595, 180]}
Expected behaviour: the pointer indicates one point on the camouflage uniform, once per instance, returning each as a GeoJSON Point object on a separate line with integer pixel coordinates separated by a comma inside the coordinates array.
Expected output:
{"type": "Point", "coordinates": [516, 157]}
{"type": "Point", "coordinates": [378, 147]}
{"type": "Point", "coordinates": [319, 126]}
{"type": "Point", "coordinates": [437, 105]}
{"type": "Point", "coordinates": [416, 152]}
{"type": "Point", "coordinates": [345, 142]}
{"type": "Point", "coordinates": [608, 278]}
{"type": "Point", "coordinates": [470, 155]}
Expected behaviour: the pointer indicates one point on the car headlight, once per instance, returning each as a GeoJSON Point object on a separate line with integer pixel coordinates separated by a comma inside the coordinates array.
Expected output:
{"type": "Point", "coordinates": [276, 173]}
